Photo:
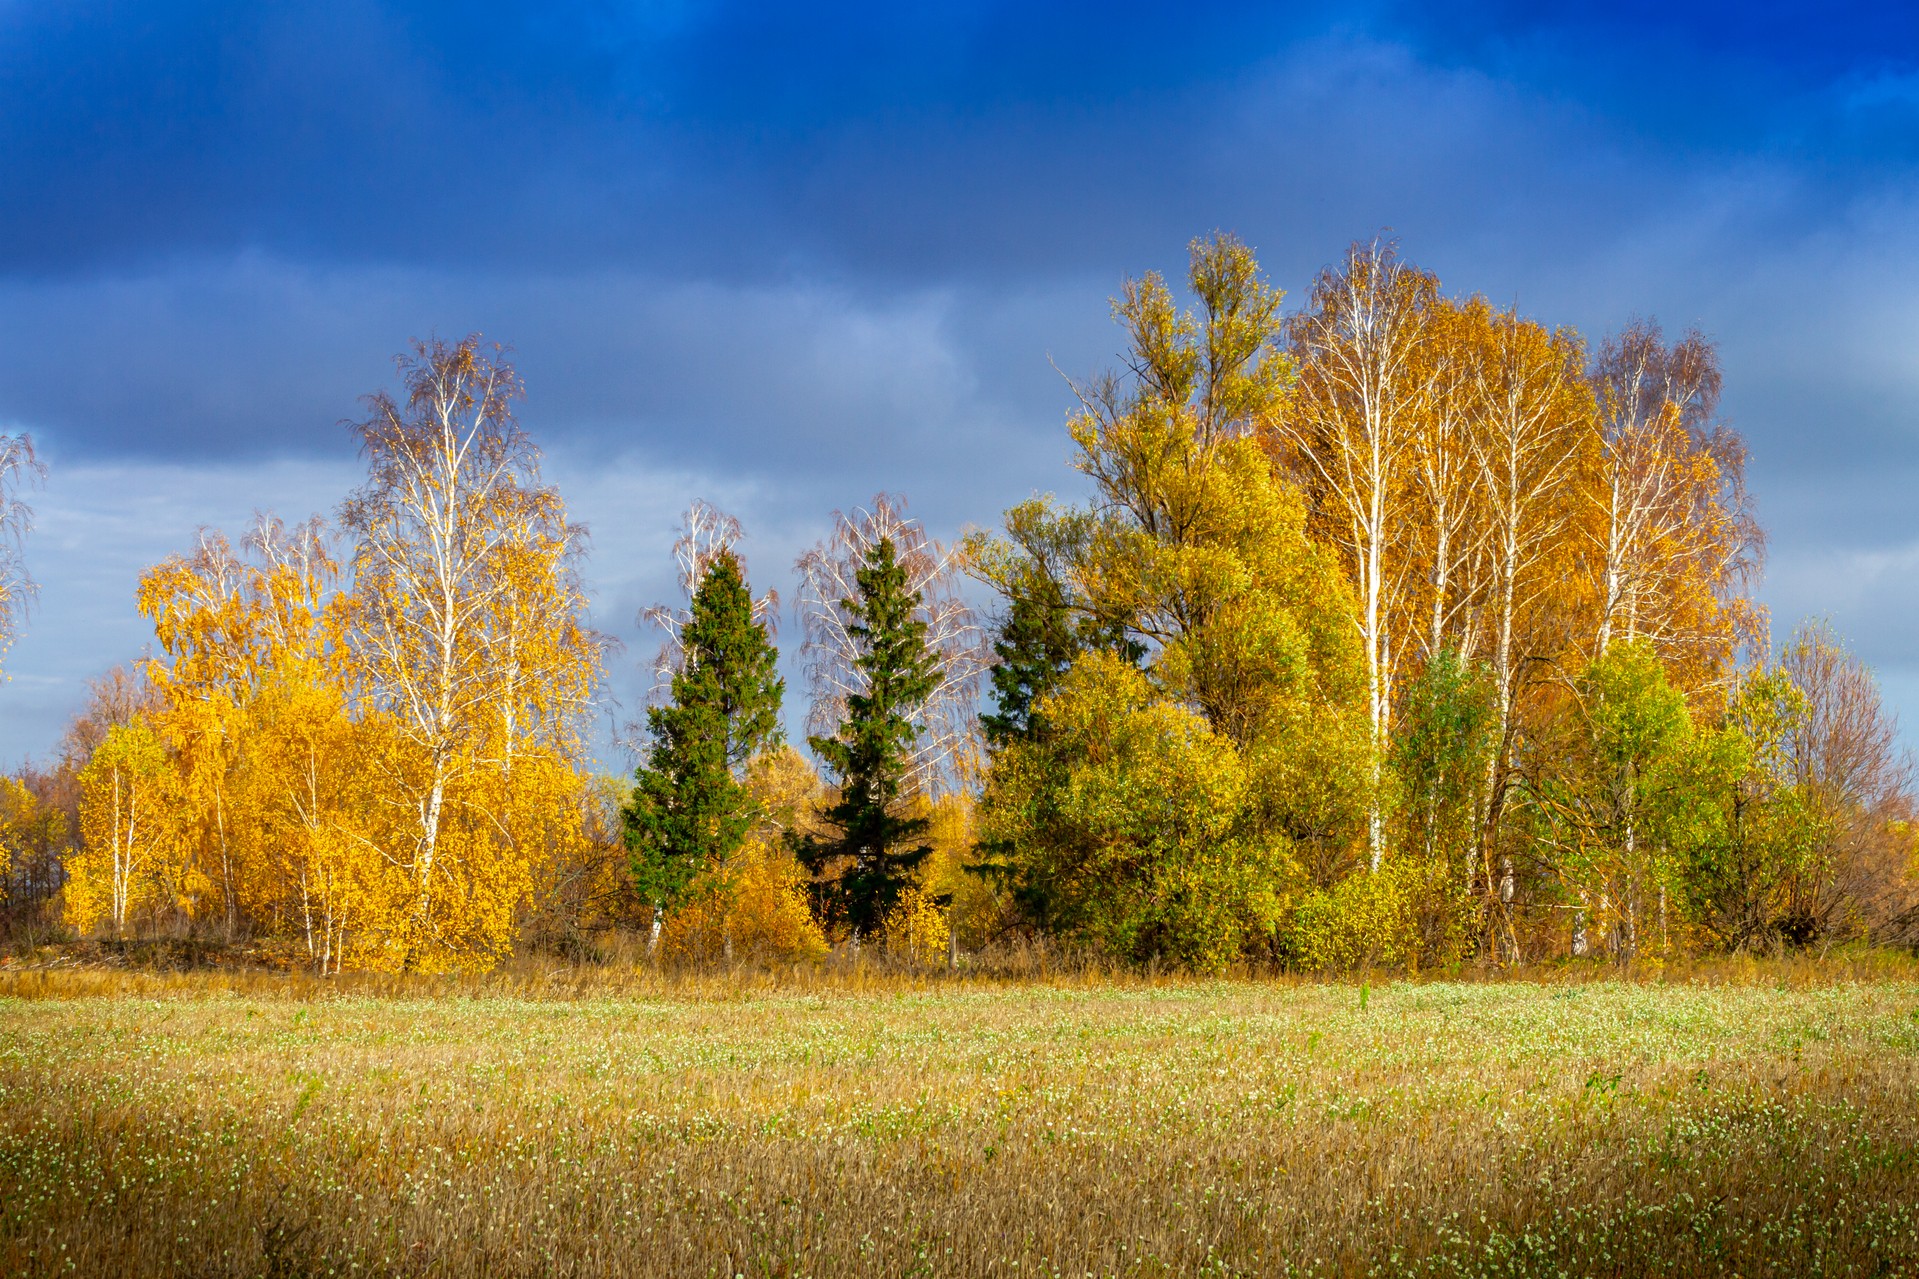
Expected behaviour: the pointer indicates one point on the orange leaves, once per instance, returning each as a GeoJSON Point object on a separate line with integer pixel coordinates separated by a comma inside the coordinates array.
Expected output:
{"type": "Point", "coordinates": [1674, 541]}
{"type": "Point", "coordinates": [1499, 502]}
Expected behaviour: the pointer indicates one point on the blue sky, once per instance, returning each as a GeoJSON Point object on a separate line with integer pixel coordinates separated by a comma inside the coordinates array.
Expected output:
{"type": "Point", "coordinates": [783, 257]}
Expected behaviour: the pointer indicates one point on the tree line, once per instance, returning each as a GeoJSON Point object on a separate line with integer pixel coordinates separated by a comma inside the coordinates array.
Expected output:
{"type": "Point", "coordinates": [1399, 630]}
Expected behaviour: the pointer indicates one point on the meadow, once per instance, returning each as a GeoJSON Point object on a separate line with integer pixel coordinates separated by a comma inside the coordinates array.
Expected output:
{"type": "Point", "coordinates": [1748, 1119]}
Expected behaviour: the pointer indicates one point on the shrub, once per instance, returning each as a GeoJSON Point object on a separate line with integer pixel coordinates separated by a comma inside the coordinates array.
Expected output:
{"type": "Point", "coordinates": [916, 927]}
{"type": "Point", "coordinates": [1409, 914]}
{"type": "Point", "coordinates": [756, 906]}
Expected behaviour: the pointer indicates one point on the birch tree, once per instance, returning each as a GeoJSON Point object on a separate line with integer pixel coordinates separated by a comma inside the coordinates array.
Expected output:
{"type": "Point", "coordinates": [204, 619]}
{"type": "Point", "coordinates": [1845, 755]}
{"type": "Point", "coordinates": [465, 628]}
{"type": "Point", "coordinates": [1448, 517]}
{"type": "Point", "coordinates": [1675, 543]}
{"type": "Point", "coordinates": [19, 465]}
{"type": "Point", "coordinates": [945, 720]}
{"type": "Point", "coordinates": [255, 705]}
{"type": "Point", "coordinates": [1535, 435]}
{"type": "Point", "coordinates": [1610, 805]}
{"type": "Point", "coordinates": [1351, 432]}
{"type": "Point", "coordinates": [127, 864]}
{"type": "Point", "coordinates": [309, 782]}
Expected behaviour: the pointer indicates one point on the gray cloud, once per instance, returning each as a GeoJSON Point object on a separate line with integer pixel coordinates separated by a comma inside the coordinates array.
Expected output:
{"type": "Point", "coordinates": [779, 403]}
{"type": "Point", "coordinates": [786, 317]}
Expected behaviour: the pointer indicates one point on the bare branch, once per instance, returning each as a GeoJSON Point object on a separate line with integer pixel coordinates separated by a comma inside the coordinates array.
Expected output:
{"type": "Point", "coordinates": [948, 721]}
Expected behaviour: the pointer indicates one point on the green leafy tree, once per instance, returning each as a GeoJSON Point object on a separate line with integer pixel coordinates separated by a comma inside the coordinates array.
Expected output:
{"type": "Point", "coordinates": [1443, 741]}
{"type": "Point", "coordinates": [1047, 624]}
{"type": "Point", "coordinates": [866, 858]}
{"type": "Point", "coordinates": [690, 809]}
{"type": "Point", "coordinates": [1200, 555]}
{"type": "Point", "coordinates": [1620, 793]}
{"type": "Point", "coordinates": [1131, 825]}
{"type": "Point", "coordinates": [1205, 551]}
{"type": "Point", "coordinates": [1752, 833]}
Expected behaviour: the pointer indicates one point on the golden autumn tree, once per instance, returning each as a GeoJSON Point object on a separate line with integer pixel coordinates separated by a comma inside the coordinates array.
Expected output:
{"type": "Point", "coordinates": [120, 698]}
{"type": "Point", "coordinates": [272, 763]}
{"type": "Point", "coordinates": [1207, 553]}
{"type": "Point", "coordinates": [1447, 515]}
{"type": "Point", "coordinates": [310, 781]}
{"type": "Point", "coordinates": [1253, 673]}
{"type": "Point", "coordinates": [129, 864]}
{"type": "Point", "coordinates": [314, 786]}
{"type": "Point", "coordinates": [1351, 432]}
{"type": "Point", "coordinates": [1674, 543]}
{"type": "Point", "coordinates": [1534, 440]}
{"type": "Point", "coordinates": [204, 610]}
{"type": "Point", "coordinates": [1198, 546]}
{"type": "Point", "coordinates": [465, 630]}
{"type": "Point", "coordinates": [1444, 447]}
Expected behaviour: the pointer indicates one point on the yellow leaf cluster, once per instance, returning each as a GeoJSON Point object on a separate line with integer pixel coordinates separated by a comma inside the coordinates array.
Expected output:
{"type": "Point", "coordinates": [757, 906]}
{"type": "Point", "coordinates": [370, 759]}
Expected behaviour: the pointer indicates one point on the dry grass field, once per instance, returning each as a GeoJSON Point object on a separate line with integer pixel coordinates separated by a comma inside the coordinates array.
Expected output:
{"type": "Point", "coordinates": [1748, 1120]}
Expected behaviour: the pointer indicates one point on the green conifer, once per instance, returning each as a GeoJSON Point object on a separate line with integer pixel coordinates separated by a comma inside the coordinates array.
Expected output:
{"type": "Point", "coordinates": [873, 850]}
{"type": "Point", "coordinates": [689, 811]}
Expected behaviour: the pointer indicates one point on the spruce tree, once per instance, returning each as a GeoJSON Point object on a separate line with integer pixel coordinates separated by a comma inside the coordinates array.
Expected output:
{"type": "Point", "coordinates": [689, 810]}
{"type": "Point", "coordinates": [1038, 638]}
{"type": "Point", "coordinates": [873, 850]}
{"type": "Point", "coordinates": [1035, 644]}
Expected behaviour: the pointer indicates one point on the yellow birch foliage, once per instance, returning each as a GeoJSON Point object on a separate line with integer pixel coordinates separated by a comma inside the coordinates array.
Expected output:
{"type": "Point", "coordinates": [464, 628]}
{"type": "Point", "coordinates": [1446, 513]}
{"type": "Point", "coordinates": [272, 766]}
{"type": "Point", "coordinates": [205, 615]}
{"type": "Point", "coordinates": [381, 773]}
{"type": "Point", "coordinates": [319, 878]}
{"type": "Point", "coordinates": [917, 927]}
{"type": "Point", "coordinates": [1349, 431]}
{"type": "Point", "coordinates": [757, 904]}
{"type": "Point", "coordinates": [920, 925]}
{"type": "Point", "coordinates": [129, 866]}
{"type": "Point", "coordinates": [1674, 545]}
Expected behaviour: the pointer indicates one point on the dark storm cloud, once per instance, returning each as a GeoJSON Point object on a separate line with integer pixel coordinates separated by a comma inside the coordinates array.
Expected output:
{"type": "Point", "coordinates": [258, 358]}
{"type": "Point", "coordinates": [737, 140]}
{"type": "Point", "coordinates": [555, 134]}
{"type": "Point", "coordinates": [790, 255]}
{"type": "Point", "coordinates": [348, 127]}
